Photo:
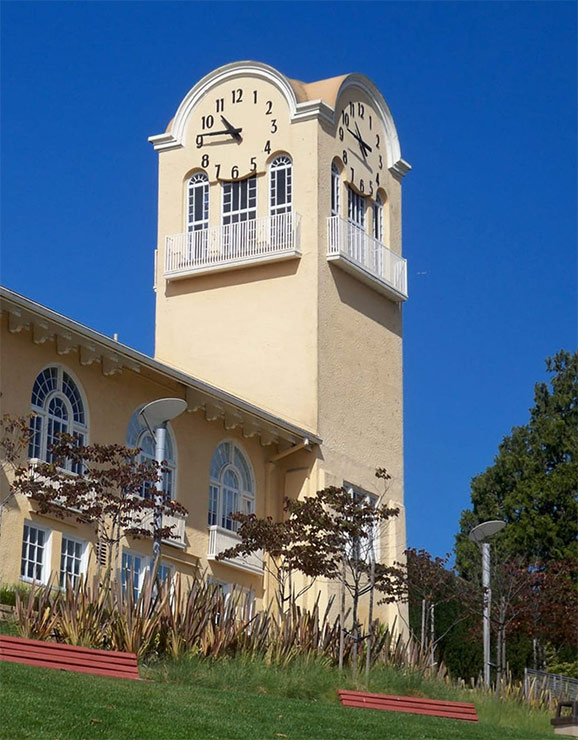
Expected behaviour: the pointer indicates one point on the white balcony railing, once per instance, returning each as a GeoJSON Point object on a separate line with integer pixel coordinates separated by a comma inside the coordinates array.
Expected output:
{"type": "Point", "coordinates": [232, 245]}
{"type": "Point", "coordinates": [176, 521]}
{"type": "Point", "coordinates": [222, 539]}
{"type": "Point", "coordinates": [360, 254]}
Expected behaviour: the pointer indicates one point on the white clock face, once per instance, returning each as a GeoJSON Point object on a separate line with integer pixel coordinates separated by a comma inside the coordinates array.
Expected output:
{"type": "Point", "coordinates": [360, 138]}
{"type": "Point", "coordinates": [236, 127]}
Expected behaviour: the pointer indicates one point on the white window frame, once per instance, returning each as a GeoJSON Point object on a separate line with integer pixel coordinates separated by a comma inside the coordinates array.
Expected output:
{"type": "Point", "coordinates": [43, 419]}
{"type": "Point", "coordinates": [82, 561]}
{"type": "Point", "coordinates": [377, 209]}
{"type": "Point", "coordinates": [356, 216]}
{"type": "Point", "coordinates": [46, 553]}
{"type": "Point", "coordinates": [136, 436]}
{"type": "Point", "coordinates": [335, 205]}
{"type": "Point", "coordinates": [247, 213]}
{"type": "Point", "coordinates": [281, 163]}
{"type": "Point", "coordinates": [361, 494]}
{"type": "Point", "coordinates": [198, 187]}
{"type": "Point", "coordinates": [217, 488]}
{"type": "Point", "coordinates": [137, 583]}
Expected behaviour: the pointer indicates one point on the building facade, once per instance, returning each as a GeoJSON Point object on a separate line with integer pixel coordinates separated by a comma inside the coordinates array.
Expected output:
{"type": "Point", "coordinates": [279, 285]}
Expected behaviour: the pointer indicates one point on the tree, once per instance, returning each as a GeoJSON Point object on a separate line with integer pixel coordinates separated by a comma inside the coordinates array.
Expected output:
{"type": "Point", "coordinates": [101, 485]}
{"type": "Point", "coordinates": [14, 440]}
{"type": "Point", "coordinates": [533, 482]}
{"type": "Point", "coordinates": [330, 534]}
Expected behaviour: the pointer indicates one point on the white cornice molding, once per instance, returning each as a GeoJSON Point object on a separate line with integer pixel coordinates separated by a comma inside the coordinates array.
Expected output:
{"type": "Point", "coordinates": [93, 346]}
{"type": "Point", "coordinates": [400, 169]}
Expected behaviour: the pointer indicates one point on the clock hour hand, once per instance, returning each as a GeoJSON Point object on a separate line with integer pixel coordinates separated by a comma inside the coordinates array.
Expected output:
{"type": "Point", "coordinates": [235, 132]}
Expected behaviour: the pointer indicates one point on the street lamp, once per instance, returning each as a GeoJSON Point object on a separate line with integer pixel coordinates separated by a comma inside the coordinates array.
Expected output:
{"type": "Point", "coordinates": [156, 415]}
{"type": "Point", "coordinates": [480, 534]}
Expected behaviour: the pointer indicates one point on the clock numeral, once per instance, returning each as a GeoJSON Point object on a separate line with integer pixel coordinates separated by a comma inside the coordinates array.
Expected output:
{"type": "Point", "coordinates": [253, 164]}
{"type": "Point", "coordinates": [207, 121]}
{"type": "Point", "coordinates": [234, 172]}
{"type": "Point", "coordinates": [380, 162]}
{"type": "Point", "coordinates": [199, 140]}
{"type": "Point", "coordinates": [273, 125]}
{"type": "Point", "coordinates": [377, 179]}
{"type": "Point", "coordinates": [217, 170]}
{"type": "Point", "coordinates": [267, 147]}
{"type": "Point", "coordinates": [371, 187]}
{"type": "Point", "coordinates": [370, 122]}
{"type": "Point", "coordinates": [352, 174]}
{"type": "Point", "coordinates": [340, 133]}
{"type": "Point", "coordinates": [377, 141]}
{"type": "Point", "coordinates": [351, 109]}
{"type": "Point", "coordinates": [220, 103]}
{"type": "Point", "coordinates": [344, 157]}
{"type": "Point", "coordinates": [205, 160]}
{"type": "Point", "coordinates": [237, 95]}
{"type": "Point", "coordinates": [361, 110]}
{"type": "Point", "coordinates": [268, 107]}
{"type": "Point", "coordinates": [362, 186]}
{"type": "Point", "coordinates": [345, 118]}
{"type": "Point", "coordinates": [254, 96]}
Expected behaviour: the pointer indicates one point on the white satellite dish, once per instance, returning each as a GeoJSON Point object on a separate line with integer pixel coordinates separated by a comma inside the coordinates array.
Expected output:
{"type": "Point", "coordinates": [482, 531]}
{"type": "Point", "coordinates": [158, 412]}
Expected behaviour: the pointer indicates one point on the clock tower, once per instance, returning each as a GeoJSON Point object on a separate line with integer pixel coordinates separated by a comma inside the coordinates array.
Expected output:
{"type": "Point", "coordinates": [279, 275]}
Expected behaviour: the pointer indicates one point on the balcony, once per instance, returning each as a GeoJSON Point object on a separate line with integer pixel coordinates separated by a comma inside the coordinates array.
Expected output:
{"type": "Point", "coordinates": [176, 521]}
{"type": "Point", "coordinates": [222, 539]}
{"type": "Point", "coordinates": [355, 251]}
{"type": "Point", "coordinates": [232, 246]}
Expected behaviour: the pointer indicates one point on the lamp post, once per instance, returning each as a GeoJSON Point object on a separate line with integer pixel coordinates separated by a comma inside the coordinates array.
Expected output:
{"type": "Point", "coordinates": [156, 415]}
{"type": "Point", "coordinates": [480, 535]}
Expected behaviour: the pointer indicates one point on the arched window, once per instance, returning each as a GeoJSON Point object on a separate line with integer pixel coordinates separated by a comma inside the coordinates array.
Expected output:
{"type": "Point", "coordinates": [280, 185]}
{"type": "Point", "coordinates": [138, 435]}
{"type": "Point", "coordinates": [231, 488]}
{"type": "Point", "coordinates": [198, 206]}
{"type": "Point", "coordinates": [378, 219]}
{"type": "Point", "coordinates": [335, 190]}
{"type": "Point", "coordinates": [58, 409]}
{"type": "Point", "coordinates": [356, 217]}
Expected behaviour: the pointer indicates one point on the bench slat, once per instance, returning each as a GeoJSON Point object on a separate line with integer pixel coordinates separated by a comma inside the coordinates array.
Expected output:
{"type": "Point", "coordinates": [395, 697]}
{"type": "Point", "coordinates": [114, 664]}
{"type": "Point", "coordinates": [409, 705]}
{"type": "Point", "coordinates": [63, 646]}
{"type": "Point", "coordinates": [70, 667]}
{"type": "Point", "coordinates": [57, 657]}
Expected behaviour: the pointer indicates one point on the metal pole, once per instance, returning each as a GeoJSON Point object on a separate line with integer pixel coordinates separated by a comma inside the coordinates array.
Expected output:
{"type": "Point", "coordinates": [160, 437]}
{"type": "Point", "coordinates": [487, 606]}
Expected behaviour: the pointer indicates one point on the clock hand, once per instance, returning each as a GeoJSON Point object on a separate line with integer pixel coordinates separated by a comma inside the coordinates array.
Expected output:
{"type": "Point", "coordinates": [365, 148]}
{"type": "Point", "coordinates": [235, 132]}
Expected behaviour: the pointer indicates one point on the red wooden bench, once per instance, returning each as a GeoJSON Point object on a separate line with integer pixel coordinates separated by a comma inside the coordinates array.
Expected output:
{"type": "Point", "coordinates": [409, 704]}
{"type": "Point", "coordinates": [68, 657]}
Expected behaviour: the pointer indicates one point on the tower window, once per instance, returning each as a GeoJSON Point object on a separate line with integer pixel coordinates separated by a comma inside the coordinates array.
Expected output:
{"type": "Point", "coordinates": [240, 201]}
{"type": "Point", "coordinates": [378, 219]}
{"type": "Point", "coordinates": [198, 207]}
{"type": "Point", "coordinates": [281, 186]}
{"type": "Point", "coordinates": [335, 190]}
{"type": "Point", "coordinates": [356, 208]}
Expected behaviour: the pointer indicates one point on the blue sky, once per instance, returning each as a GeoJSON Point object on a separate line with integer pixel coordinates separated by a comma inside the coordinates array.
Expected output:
{"type": "Point", "coordinates": [484, 98]}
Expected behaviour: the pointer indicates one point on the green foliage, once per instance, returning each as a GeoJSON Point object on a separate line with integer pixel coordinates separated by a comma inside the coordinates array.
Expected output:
{"type": "Point", "coordinates": [8, 593]}
{"type": "Point", "coordinates": [533, 482]}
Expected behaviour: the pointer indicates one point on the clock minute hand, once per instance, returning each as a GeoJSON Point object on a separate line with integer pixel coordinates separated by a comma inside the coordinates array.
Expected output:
{"type": "Point", "coordinates": [362, 143]}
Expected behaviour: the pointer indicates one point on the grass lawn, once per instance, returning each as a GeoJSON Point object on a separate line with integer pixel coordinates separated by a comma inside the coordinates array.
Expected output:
{"type": "Point", "coordinates": [195, 699]}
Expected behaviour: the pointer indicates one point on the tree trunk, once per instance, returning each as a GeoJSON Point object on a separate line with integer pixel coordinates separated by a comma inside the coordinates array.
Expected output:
{"type": "Point", "coordinates": [432, 635]}
{"type": "Point", "coordinates": [422, 636]}
{"type": "Point", "coordinates": [370, 619]}
{"type": "Point", "coordinates": [342, 616]}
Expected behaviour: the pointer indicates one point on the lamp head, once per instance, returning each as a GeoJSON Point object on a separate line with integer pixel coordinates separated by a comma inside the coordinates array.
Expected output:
{"type": "Point", "coordinates": [483, 531]}
{"type": "Point", "coordinates": [158, 412]}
